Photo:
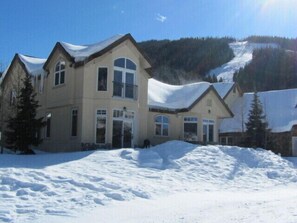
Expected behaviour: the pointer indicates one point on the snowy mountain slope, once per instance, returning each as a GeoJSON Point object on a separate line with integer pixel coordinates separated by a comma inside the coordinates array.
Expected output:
{"type": "Point", "coordinates": [70, 186]}
{"type": "Point", "coordinates": [243, 52]}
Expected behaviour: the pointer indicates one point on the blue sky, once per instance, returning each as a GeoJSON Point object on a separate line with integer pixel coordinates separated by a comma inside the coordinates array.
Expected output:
{"type": "Point", "coordinates": [33, 27]}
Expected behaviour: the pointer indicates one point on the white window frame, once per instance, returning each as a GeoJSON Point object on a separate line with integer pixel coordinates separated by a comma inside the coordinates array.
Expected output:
{"type": "Point", "coordinates": [102, 114]}
{"type": "Point", "coordinates": [162, 125]}
{"type": "Point", "coordinates": [59, 72]}
{"type": "Point", "coordinates": [191, 120]}
{"type": "Point", "coordinates": [124, 71]}
{"type": "Point", "coordinates": [207, 123]}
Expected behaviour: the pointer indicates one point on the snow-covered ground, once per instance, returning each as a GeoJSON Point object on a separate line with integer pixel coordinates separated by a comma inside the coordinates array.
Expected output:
{"type": "Point", "coordinates": [172, 182]}
{"type": "Point", "coordinates": [243, 52]}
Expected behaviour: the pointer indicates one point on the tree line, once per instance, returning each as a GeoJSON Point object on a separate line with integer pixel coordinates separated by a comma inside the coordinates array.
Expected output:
{"type": "Point", "coordinates": [270, 69]}
{"type": "Point", "coordinates": [187, 59]}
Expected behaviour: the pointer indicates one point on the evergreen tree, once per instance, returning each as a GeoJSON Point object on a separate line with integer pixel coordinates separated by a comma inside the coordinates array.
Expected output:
{"type": "Point", "coordinates": [257, 127]}
{"type": "Point", "coordinates": [23, 129]}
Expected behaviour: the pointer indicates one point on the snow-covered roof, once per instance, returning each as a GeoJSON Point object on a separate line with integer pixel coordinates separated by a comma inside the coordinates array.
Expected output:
{"type": "Point", "coordinates": [81, 52]}
{"type": "Point", "coordinates": [279, 108]}
{"type": "Point", "coordinates": [173, 97]}
{"type": "Point", "coordinates": [223, 88]}
{"type": "Point", "coordinates": [33, 65]}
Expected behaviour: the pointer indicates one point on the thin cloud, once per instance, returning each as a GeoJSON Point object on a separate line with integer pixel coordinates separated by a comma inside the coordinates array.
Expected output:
{"type": "Point", "coordinates": [161, 18]}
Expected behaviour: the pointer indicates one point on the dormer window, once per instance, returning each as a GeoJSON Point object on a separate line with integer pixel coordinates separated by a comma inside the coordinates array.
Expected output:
{"type": "Point", "coordinates": [60, 73]}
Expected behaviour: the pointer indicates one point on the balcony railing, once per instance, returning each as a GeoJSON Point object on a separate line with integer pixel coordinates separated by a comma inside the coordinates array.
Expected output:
{"type": "Point", "coordinates": [125, 90]}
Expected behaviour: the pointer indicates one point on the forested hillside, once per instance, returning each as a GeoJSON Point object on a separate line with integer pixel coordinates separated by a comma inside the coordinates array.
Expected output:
{"type": "Point", "coordinates": [270, 69]}
{"type": "Point", "coordinates": [285, 43]}
{"type": "Point", "coordinates": [188, 59]}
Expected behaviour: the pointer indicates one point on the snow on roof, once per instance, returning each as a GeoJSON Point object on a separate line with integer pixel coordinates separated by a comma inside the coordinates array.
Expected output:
{"type": "Point", "coordinates": [172, 97]}
{"type": "Point", "coordinates": [243, 52]}
{"type": "Point", "coordinates": [223, 88]}
{"type": "Point", "coordinates": [33, 65]}
{"type": "Point", "coordinates": [279, 108]}
{"type": "Point", "coordinates": [4, 74]}
{"type": "Point", "coordinates": [80, 52]}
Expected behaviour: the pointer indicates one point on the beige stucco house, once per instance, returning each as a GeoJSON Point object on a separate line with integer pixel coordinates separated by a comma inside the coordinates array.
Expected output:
{"type": "Point", "coordinates": [102, 95]}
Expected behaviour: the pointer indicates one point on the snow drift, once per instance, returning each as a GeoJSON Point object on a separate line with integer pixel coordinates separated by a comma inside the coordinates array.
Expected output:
{"type": "Point", "coordinates": [32, 187]}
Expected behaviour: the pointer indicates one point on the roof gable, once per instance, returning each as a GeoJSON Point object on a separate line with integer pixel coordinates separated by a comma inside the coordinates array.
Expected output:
{"type": "Point", "coordinates": [81, 54]}
{"type": "Point", "coordinates": [181, 98]}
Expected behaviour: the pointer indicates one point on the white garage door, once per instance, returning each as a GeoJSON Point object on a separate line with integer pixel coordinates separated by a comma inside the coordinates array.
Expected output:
{"type": "Point", "coordinates": [294, 146]}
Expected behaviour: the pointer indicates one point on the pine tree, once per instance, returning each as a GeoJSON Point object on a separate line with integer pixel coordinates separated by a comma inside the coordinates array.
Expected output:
{"type": "Point", "coordinates": [257, 127]}
{"type": "Point", "coordinates": [23, 129]}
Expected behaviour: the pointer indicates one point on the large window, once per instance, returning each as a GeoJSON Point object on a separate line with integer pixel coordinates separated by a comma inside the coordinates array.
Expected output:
{"type": "Point", "coordinates": [60, 73]}
{"type": "Point", "coordinates": [101, 126]}
{"type": "Point", "coordinates": [190, 129]}
{"type": "Point", "coordinates": [124, 79]}
{"type": "Point", "coordinates": [102, 79]}
{"type": "Point", "coordinates": [48, 125]}
{"type": "Point", "coordinates": [74, 122]}
{"type": "Point", "coordinates": [161, 125]}
{"type": "Point", "coordinates": [208, 130]}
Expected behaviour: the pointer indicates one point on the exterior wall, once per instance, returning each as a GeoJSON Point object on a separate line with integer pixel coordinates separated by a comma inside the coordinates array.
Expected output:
{"type": "Point", "coordinates": [176, 121]}
{"type": "Point", "coordinates": [93, 99]}
{"type": "Point", "coordinates": [232, 96]}
{"type": "Point", "coordinates": [59, 101]}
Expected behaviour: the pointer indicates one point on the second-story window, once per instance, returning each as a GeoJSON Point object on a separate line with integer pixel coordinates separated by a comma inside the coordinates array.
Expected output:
{"type": "Point", "coordinates": [102, 79]}
{"type": "Point", "coordinates": [60, 73]}
{"type": "Point", "coordinates": [124, 79]}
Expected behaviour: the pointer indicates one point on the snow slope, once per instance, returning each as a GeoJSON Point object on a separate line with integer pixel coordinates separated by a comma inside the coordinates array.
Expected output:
{"type": "Point", "coordinates": [279, 108]}
{"type": "Point", "coordinates": [243, 52]}
{"type": "Point", "coordinates": [172, 182]}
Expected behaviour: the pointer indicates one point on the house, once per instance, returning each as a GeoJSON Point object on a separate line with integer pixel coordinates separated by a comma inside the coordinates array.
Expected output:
{"type": "Point", "coordinates": [189, 112]}
{"type": "Point", "coordinates": [93, 94]}
{"type": "Point", "coordinates": [100, 94]}
{"type": "Point", "coordinates": [281, 114]}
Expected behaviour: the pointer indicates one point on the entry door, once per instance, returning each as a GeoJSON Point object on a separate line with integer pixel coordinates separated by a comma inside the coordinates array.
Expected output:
{"type": "Point", "coordinates": [294, 146]}
{"type": "Point", "coordinates": [122, 134]}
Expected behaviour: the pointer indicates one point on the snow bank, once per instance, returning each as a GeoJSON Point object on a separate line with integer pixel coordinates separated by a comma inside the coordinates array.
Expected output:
{"type": "Point", "coordinates": [243, 52]}
{"type": "Point", "coordinates": [279, 108]}
{"type": "Point", "coordinates": [67, 184]}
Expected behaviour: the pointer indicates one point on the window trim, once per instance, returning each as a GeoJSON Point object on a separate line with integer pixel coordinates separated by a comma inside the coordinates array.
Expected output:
{"type": "Point", "coordinates": [59, 73]}
{"type": "Point", "coordinates": [207, 123]}
{"type": "Point", "coordinates": [97, 82]}
{"type": "Point", "coordinates": [106, 125]}
{"type": "Point", "coordinates": [192, 122]}
{"type": "Point", "coordinates": [162, 125]}
{"type": "Point", "coordinates": [125, 70]}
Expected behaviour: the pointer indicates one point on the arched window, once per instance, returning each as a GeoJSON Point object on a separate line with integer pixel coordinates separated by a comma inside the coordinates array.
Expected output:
{"type": "Point", "coordinates": [161, 125]}
{"type": "Point", "coordinates": [124, 79]}
{"type": "Point", "coordinates": [60, 73]}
